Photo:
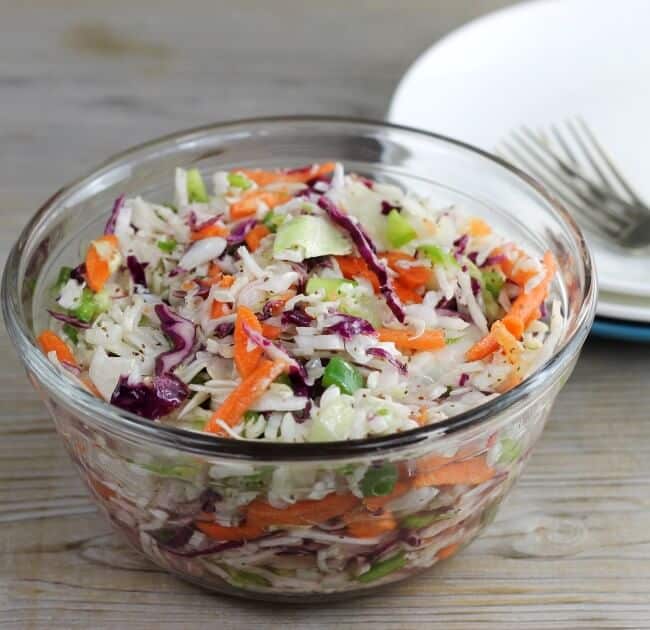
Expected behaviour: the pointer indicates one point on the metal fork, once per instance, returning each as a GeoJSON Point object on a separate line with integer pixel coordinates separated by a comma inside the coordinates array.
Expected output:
{"type": "Point", "coordinates": [594, 189]}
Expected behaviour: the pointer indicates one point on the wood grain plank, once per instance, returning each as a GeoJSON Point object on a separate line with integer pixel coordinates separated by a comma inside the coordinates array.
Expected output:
{"type": "Point", "coordinates": [78, 81]}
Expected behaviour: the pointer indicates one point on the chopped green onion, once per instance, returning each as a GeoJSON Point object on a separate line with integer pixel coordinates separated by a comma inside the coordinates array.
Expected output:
{"type": "Point", "coordinates": [196, 191]}
{"type": "Point", "coordinates": [331, 286]}
{"type": "Point", "coordinates": [342, 374]}
{"type": "Point", "coordinates": [450, 341]}
{"type": "Point", "coordinates": [167, 246]}
{"type": "Point", "coordinates": [239, 180]}
{"type": "Point", "coordinates": [439, 256]}
{"type": "Point", "coordinates": [510, 450]}
{"type": "Point", "coordinates": [398, 230]}
{"type": "Point", "coordinates": [71, 333]}
{"type": "Point", "coordinates": [380, 481]}
{"type": "Point", "coordinates": [493, 281]}
{"type": "Point", "coordinates": [384, 567]}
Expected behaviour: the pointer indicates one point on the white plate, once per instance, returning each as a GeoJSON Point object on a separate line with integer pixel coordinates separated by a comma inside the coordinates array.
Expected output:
{"type": "Point", "coordinates": [536, 64]}
{"type": "Point", "coordinates": [627, 307]}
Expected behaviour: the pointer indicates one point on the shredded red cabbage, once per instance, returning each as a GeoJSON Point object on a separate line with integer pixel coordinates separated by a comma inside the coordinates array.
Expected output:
{"type": "Point", "coordinates": [497, 259]}
{"type": "Point", "coordinates": [473, 256]}
{"type": "Point", "coordinates": [450, 305]}
{"type": "Point", "coordinates": [223, 330]}
{"type": "Point", "coordinates": [461, 244]}
{"type": "Point", "coordinates": [195, 226]}
{"type": "Point", "coordinates": [543, 310]}
{"type": "Point", "coordinates": [348, 326]}
{"type": "Point", "coordinates": [239, 232]}
{"type": "Point", "coordinates": [476, 286]}
{"type": "Point", "coordinates": [136, 269]}
{"type": "Point", "coordinates": [79, 273]}
{"type": "Point", "coordinates": [296, 316]}
{"type": "Point", "coordinates": [181, 333]}
{"type": "Point", "coordinates": [463, 379]}
{"type": "Point", "coordinates": [274, 350]}
{"type": "Point", "coordinates": [368, 252]}
{"type": "Point", "coordinates": [112, 220]}
{"type": "Point", "coordinates": [386, 207]}
{"type": "Point", "coordinates": [269, 309]}
{"type": "Point", "coordinates": [154, 401]}
{"type": "Point", "coordinates": [381, 353]}
{"type": "Point", "coordinates": [447, 312]}
{"type": "Point", "coordinates": [69, 319]}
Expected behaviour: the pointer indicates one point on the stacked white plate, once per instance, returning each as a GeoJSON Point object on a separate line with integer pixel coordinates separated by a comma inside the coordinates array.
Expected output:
{"type": "Point", "coordinates": [537, 64]}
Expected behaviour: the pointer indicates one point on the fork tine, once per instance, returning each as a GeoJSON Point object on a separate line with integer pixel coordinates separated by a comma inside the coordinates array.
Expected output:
{"type": "Point", "coordinates": [597, 214]}
{"type": "Point", "coordinates": [587, 213]}
{"type": "Point", "coordinates": [590, 158]}
{"type": "Point", "coordinates": [608, 162]}
{"type": "Point", "coordinates": [569, 174]}
{"type": "Point", "coordinates": [563, 143]}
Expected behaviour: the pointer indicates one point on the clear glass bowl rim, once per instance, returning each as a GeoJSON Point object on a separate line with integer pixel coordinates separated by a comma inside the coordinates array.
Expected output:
{"type": "Point", "coordinates": [95, 410]}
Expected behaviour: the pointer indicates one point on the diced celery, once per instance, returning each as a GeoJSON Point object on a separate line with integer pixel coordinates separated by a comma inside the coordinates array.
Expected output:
{"type": "Point", "coordinates": [493, 281]}
{"type": "Point", "coordinates": [331, 286]}
{"type": "Point", "coordinates": [167, 246]}
{"type": "Point", "coordinates": [273, 220]}
{"type": "Point", "coordinates": [450, 341]}
{"type": "Point", "coordinates": [196, 191]}
{"type": "Point", "coordinates": [62, 278]}
{"type": "Point", "coordinates": [492, 308]}
{"type": "Point", "coordinates": [384, 567]}
{"type": "Point", "coordinates": [439, 256]}
{"type": "Point", "coordinates": [510, 450]}
{"type": "Point", "coordinates": [398, 230]}
{"type": "Point", "coordinates": [423, 519]}
{"type": "Point", "coordinates": [87, 307]}
{"type": "Point", "coordinates": [243, 578]}
{"type": "Point", "coordinates": [309, 236]}
{"type": "Point", "coordinates": [342, 374]}
{"type": "Point", "coordinates": [379, 481]}
{"type": "Point", "coordinates": [71, 333]}
{"type": "Point", "coordinates": [102, 302]}
{"type": "Point", "coordinates": [239, 180]}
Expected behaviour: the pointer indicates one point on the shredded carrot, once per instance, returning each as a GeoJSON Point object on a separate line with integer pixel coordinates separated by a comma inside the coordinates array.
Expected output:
{"type": "Point", "coordinates": [507, 341]}
{"type": "Point", "coordinates": [264, 178]}
{"type": "Point", "coordinates": [447, 551]}
{"type": "Point", "coordinates": [209, 231]}
{"type": "Point", "coordinates": [305, 512]}
{"type": "Point", "coordinates": [376, 503]}
{"type": "Point", "coordinates": [483, 348]}
{"type": "Point", "coordinates": [219, 309]}
{"type": "Point", "coordinates": [520, 315]}
{"type": "Point", "coordinates": [510, 267]}
{"type": "Point", "coordinates": [244, 395]}
{"type": "Point", "coordinates": [478, 227]}
{"type": "Point", "coordinates": [90, 386]}
{"type": "Point", "coordinates": [51, 342]}
{"type": "Point", "coordinates": [471, 472]}
{"type": "Point", "coordinates": [355, 267]}
{"type": "Point", "coordinates": [365, 525]}
{"type": "Point", "coordinates": [248, 204]}
{"type": "Point", "coordinates": [403, 339]}
{"type": "Point", "coordinates": [270, 331]}
{"type": "Point", "coordinates": [255, 236]}
{"type": "Point", "coordinates": [512, 380]}
{"type": "Point", "coordinates": [406, 294]}
{"type": "Point", "coordinates": [100, 487]}
{"type": "Point", "coordinates": [98, 266]}
{"type": "Point", "coordinates": [412, 277]}
{"type": "Point", "coordinates": [226, 281]}
{"type": "Point", "coordinates": [237, 533]}
{"type": "Point", "coordinates": [246, 358]}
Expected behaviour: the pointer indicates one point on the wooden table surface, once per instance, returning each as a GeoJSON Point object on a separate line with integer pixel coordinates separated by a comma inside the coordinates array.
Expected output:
{"type": "Point", "coordinates": [81, 80]}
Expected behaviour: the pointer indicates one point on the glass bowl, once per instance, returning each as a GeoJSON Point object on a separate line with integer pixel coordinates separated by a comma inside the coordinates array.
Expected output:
{"type": "Point", "coordinates": [168, 490]}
